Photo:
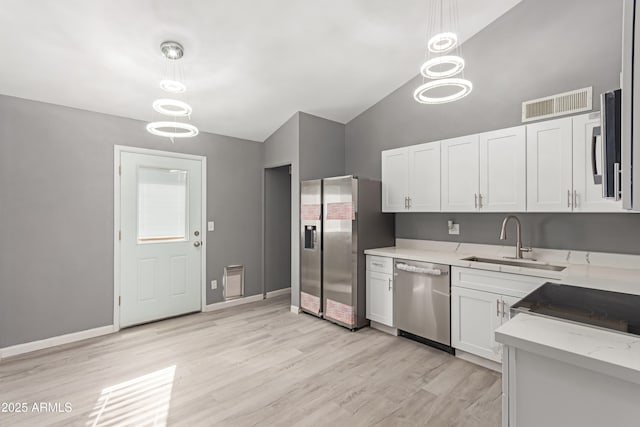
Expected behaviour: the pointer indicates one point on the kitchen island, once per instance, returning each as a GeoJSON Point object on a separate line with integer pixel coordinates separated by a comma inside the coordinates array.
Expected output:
{"type": "Point", "coordinates": [559, 373]}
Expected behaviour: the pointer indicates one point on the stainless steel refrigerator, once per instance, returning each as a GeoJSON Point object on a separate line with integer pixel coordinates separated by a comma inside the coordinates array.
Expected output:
{"type": "Point", "coordinates": [340, 218]}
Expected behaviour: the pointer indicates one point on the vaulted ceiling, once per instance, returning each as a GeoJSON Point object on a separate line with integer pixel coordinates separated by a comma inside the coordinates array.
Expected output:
{"type": "Point", "coordinates": [250, 64]}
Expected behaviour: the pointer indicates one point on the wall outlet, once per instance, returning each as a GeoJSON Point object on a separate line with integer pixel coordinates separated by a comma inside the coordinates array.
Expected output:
{"type": "Point", "coordinates": [214, 284]}
{"type": "Point", "coordinates": [454, 228]}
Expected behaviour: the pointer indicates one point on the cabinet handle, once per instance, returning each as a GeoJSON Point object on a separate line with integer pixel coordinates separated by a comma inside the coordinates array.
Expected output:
{"type": "Point", "coordinates": [406, 202]}
{"type": "Point", "coordinates": [497, 308]}
{"type": "Point", "coordinates": [377, 264]}
{"type": "Point", "coordinates": [480, 200]}
{"type": "Point", "coordinates": [389, 283]}
{"type": "Point", "coordinates": [568, 198]}
{"type": "Point", "coordinates": [475, 200]}
{"type": "Point", "coordinates": [409, 202]}
{"type": "Point", "coordinates": [503, 309]}
{"type": "Point", "coordinates": [575, 198]}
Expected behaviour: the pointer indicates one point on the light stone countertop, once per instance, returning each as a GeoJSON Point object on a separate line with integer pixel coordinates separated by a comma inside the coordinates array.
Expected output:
{"type": "Point", "coordinates": [612, 272]}
{"type": "Point", "coordinates": [611, 353]}
{"type": "Point", "coordinates": [605, 351]}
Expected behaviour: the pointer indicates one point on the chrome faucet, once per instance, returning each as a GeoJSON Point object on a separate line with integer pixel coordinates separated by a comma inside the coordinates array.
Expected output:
{"type": "Point", "coordinates": [503, 235]}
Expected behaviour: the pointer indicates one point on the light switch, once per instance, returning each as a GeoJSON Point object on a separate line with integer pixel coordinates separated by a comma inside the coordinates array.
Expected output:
{"type": "Point", "coordinates": [210, 226]}
{"type": "Point", "coordinates": [214, 284]}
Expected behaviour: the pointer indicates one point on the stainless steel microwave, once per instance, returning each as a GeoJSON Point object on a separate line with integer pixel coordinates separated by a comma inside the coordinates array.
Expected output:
{"type": "Point", "coordinates": [609, 175]}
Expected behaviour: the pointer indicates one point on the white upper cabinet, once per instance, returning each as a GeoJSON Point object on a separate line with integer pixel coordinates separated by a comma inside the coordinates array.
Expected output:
{"type": "Point", "coordinates": [424, 177]}
{"type": "Point", "coordinates": [549, 166]}
{"type": "Point", "coordinates": [503, 171]}
{"type": "Point", "coordinates": [395, 180]}
{"type": "Point", "coordinates": [460, 174]}
{"type": "Point", "coordinates": [587, 196]}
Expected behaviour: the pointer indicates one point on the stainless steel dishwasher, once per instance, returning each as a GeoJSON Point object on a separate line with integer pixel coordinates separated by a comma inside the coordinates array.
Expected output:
{"type": "Point", "coordinates": [422, 302]}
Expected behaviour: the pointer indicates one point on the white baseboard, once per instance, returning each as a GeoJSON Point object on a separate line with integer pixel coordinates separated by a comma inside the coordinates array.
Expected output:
{"type": "Point", "coordinates": [295, 309]}
{"type": "Point", "coordinates": [232, 303]}
{"type": "Point", "coordinates": [277, 293]}
{"type": "Point", "coordinates": [486, 363]}
{"type": "Point", "coordinates": [55, 341]}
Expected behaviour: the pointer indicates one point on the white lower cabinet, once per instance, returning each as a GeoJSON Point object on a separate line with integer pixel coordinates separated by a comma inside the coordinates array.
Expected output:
{"type": "Point", "coordinates": [480, 302]}
{"type": "Point", "coordinates": [380, 290]}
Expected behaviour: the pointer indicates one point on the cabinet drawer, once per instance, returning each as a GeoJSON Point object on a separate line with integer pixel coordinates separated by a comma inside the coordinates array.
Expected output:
{"type": "Point", "coordinates": [498, 283]}
{"type": "Point", "coordinates": [380, 264]}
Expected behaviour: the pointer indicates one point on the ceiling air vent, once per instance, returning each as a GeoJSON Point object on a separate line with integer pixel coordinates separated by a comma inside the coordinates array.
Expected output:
{"type": "Point", "coordinates": [558, 105]}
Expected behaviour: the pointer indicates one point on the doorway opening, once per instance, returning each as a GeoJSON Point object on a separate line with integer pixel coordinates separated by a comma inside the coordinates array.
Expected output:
{"type": "Point", "coordinates": [277, 229]}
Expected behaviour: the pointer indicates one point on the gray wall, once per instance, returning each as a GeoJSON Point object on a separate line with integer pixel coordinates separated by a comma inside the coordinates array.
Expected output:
{"type": "Point", "coordinates": [283, 148]}
{"type": "Point", "coordinates": [56, 214]}
{"type": "Point", "coordinates": [314, 147]}
{"type": "Point", "coordinates": [321, 147]}
{"type": "Point", "coordinates": [277, 228]}
{"type": "Point", "coordinates": [538, 48]}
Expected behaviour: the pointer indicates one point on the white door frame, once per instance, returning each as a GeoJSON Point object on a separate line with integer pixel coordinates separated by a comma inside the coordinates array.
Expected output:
{"type": "Point", "coordinates": [117, 151]}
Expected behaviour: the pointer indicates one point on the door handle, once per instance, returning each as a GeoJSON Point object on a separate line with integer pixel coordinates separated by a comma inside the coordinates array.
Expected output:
{"type": "Point", "coordinates": [595, 133]}
{"type": "Point", "coordinates": [503, 309]}
{"type": "Point", "coordinates": [197, 244]}
{"type": "Point", "coordinates": [497, 308]}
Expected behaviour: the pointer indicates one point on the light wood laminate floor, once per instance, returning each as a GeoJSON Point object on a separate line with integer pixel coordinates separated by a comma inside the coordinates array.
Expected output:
{"type": "Point", "coordinates": [256, 364]}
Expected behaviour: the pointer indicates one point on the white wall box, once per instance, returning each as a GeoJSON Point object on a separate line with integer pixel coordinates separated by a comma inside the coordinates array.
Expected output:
{"type": "Point", "coordinates": [379, 290]}
{"type": "Point", "coordinates": [460, 174]}
{"type": "Point", "coordinates": [411, 179]}
{"type": "Point", "coordinates": [549, 166]}
{"type": "Point", "coordinates": [481, 302]}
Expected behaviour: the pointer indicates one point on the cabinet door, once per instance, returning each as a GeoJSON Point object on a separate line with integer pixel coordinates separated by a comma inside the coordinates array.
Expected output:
{"type": "Point", "coordinates": [380, 297]}
{"type": "Point", "coordinates": [475, 315]}
{"type": "Point", "coordinates": [460, 174]}
{"type": "Point", "coordinates": [587, 196]}
{"type": "Point", "coordinates": [424, 177]}
{"type": "Point", "coordinates": [395, 180]}
{"type": "Point", "coordinates": [503, 170]}
{"type": "Point", "coordinates": [549, 166]}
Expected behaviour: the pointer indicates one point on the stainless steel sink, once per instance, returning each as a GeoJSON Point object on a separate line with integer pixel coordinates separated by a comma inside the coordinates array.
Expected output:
{"type": "Point", "coordinates": [548, 267]}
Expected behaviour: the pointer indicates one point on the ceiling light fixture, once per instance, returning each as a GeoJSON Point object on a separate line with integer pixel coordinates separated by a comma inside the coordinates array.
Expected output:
{"type": "Point", "coordinates": [464, 85]}
{"type": "Point", "coordinates": [443, 24]}
{"type": "Point", "coordinates": [428, 68]}
{"type": "Point", "coordinates": [186, 130]}
{"type": "Point", "coordinates": [174, 108]}
{"type": "Point", "coordinates": [172, 86]}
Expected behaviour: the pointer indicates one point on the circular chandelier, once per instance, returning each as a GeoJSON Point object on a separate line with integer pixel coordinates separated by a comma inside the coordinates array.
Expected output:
{"type": "Point", "coordinates": [464, 88]}
{"type": "Point", "coordinates": [173, 129]}
{"type": "Point", "coordinates": [438, 69]}
{"type": "Point", "coordinates": [174, 108]}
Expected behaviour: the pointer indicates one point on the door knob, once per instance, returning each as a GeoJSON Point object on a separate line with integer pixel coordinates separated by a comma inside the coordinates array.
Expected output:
{"type": "Point", "coordinates": [196, 244]}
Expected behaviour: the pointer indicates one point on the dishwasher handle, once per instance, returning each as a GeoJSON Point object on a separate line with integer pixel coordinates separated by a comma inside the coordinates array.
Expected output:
{"type": "Point", "coordinates": [420, 270]}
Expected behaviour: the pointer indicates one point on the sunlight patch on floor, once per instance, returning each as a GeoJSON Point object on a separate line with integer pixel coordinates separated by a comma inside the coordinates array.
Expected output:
{"type": "Point", "coordinates": [142, 400]}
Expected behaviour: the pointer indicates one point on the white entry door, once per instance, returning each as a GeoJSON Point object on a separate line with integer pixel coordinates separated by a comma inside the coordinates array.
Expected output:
{"type": "Point", "coordinates": [160, 237]}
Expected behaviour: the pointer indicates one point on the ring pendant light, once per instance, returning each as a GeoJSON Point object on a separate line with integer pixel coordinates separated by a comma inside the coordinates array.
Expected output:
{"type": "Point", "coordinates": [444, 65]}
{"type": "Point", "coordinates": [173, 108]}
